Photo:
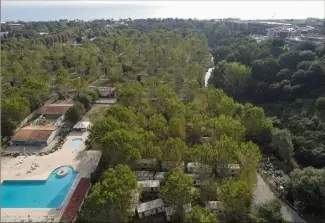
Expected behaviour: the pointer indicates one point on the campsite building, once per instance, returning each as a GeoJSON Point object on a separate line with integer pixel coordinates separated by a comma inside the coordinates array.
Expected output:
{"type": "Point", "coordinates": [152, 186]}
{"type": "Point", "coordinates": [150, 208]}
{"type": "Point", "coordinates": [82, 126]}
{"type": "Point", "coordinates": [199, 168]}
{"type": "Point", "coordinates": [35, 135]}
{"type": "Point", "coordinates": [54, 111]}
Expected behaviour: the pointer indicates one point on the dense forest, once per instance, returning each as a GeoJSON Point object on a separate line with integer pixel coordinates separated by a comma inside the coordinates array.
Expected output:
{"type": "Point", "coordinates": [288, 82]}
{"type": "Point", "coordinates": [164, 111]}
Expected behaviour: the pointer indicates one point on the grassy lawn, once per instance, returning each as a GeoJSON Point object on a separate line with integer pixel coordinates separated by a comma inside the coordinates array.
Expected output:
{"type": "Point", "coordinates": [95, 112]}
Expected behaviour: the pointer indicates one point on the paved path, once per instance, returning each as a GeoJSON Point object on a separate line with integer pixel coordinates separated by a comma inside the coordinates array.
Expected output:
{"type": "Point", "coordinates": [263, 193]}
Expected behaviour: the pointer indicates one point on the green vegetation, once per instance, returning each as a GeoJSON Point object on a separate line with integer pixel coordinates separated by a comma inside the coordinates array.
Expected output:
{"type": "Point", "coordinates": [110, 199]}
{"type": "Point", "coordinates": [288, 82]}
{"type": "Point", "coordinates": [267, 212]}
{"type": "Point", "coordinates": [164, 112]}
{"type": "Point", "coordinates": [306, 190]}
{"type": "Point", "coordinates": [178, 192]}
{"type": "Point", "coordinates": [201, 215]}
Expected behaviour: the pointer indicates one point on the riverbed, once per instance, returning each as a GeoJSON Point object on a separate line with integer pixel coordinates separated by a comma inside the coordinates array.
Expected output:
{"type": "Point", "coordinates": [208, 74]}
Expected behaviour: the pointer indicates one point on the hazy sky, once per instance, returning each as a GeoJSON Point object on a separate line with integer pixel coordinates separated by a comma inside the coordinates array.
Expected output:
{"type": "Point", "coordinates": [207, 9]}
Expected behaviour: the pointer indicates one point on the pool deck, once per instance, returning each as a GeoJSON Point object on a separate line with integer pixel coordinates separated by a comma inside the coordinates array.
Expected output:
{"type": "Point", "coordinates": [84, 162]}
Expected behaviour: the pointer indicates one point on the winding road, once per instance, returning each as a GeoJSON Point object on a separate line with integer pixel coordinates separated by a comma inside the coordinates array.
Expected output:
{"type": "Point", "coordinates": [263, 193]}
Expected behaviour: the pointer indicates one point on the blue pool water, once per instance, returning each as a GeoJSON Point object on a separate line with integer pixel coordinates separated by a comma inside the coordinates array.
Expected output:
{"type": "Point", "coordinates": [75, 143]}
{"type": "Point", "coordinates": [37, 194]}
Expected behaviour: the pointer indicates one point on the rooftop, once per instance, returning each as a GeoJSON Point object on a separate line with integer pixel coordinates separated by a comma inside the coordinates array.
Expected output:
{"type": "Point", "coordinates": [144, 174]}
{"type": "Point", "coordinates": [150, 205]}
{"type": "Point", "coordinates": [55, 109]}
{"type": "Point", "coordinates": [198, 165]}
{"type": "Point", "coordinates": [78, 196]}
{"type": "Point", "coordinates": [149, 183]}
{"type": "Point", "coordinates": [34, 133]}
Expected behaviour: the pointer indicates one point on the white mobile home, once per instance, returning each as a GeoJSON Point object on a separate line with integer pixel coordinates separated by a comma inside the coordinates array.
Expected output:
{"type": "Point", "coordinates": [198, 168]}
{"type": "Point", "coordinates": [144, 175]}
{"type": "Point", "coordinates": [149, 185]}
{"type": "Point", "coordinates": [160, 176]}
{"type": "Point", "coordinates": [229, 169]}
{"type": "Point", "coordinates": [150, 208]}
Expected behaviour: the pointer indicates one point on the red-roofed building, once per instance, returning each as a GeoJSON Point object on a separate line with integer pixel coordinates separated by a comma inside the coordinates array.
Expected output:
{"type": "Point", "coordinates": [76, 201]}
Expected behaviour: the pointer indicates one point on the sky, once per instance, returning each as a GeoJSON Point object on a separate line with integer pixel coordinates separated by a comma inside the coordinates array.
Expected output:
{"type": "Point", "coordinates": [201, 9]}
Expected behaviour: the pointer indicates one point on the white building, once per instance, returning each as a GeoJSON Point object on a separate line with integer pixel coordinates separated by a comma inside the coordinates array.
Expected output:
{"type": "Point", "coordinates": [82, 126]}
{"type": "Point", "coordinates": [150, 208]}
{"type": "Point", "coordinates": [283, 32]}
{"type": "Point", "coordinates": [160, 176]}
{"type": "Point", "coordinates": [149, 185]}
{"type": "Point", "coordinates": [199, 168]}
{"type": "Point", "coordinates": [144, 175]}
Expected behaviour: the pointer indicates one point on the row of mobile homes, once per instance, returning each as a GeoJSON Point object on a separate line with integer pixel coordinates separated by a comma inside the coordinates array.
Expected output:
{"type": "Point", "coordinates": [199, 168]}
{"type": "Point", "coordinates": [226, 170]}
{"type": "Point", "coordinates": [150, 208]}
{"type": "Point", "coordinates": [151, 186]}
{"type": "Point", "coordinates": [192, 167]}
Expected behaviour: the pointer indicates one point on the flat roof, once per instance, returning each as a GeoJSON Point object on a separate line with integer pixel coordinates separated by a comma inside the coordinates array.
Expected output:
{"type": "Point", "coordinates": [149, 183]}
{"type": "Point", "coordinates": [55, 109]}
{"type": "Point", "coordinates": [144, 173]}
{"type": "Point", "coordinates": [198, 165]}
{"type": "Point", "coordinates": [150, 205]}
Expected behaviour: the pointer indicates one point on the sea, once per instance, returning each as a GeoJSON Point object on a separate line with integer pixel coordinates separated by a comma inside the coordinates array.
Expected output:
{"type": "Point", "coordinates": [55, 10]}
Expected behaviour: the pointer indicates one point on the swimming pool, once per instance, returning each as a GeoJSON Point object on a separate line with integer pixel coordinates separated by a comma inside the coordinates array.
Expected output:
{"type": "Point", "coordinates": [75, 143]}
{"type": "Point", "coordinates": [37, 194]}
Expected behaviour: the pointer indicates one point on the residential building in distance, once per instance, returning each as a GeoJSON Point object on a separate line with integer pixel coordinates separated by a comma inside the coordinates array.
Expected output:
{"type": "Point", "coordinates": [151, 186]}
{"type": "Point", "coordinates": [150, 208]}
{"type": "Point", "coordinates": [283, 32]}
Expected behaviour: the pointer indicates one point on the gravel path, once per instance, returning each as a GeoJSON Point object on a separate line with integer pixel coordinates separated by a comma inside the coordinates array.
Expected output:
{"type": "Point", "coordinates": [263, 193]}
